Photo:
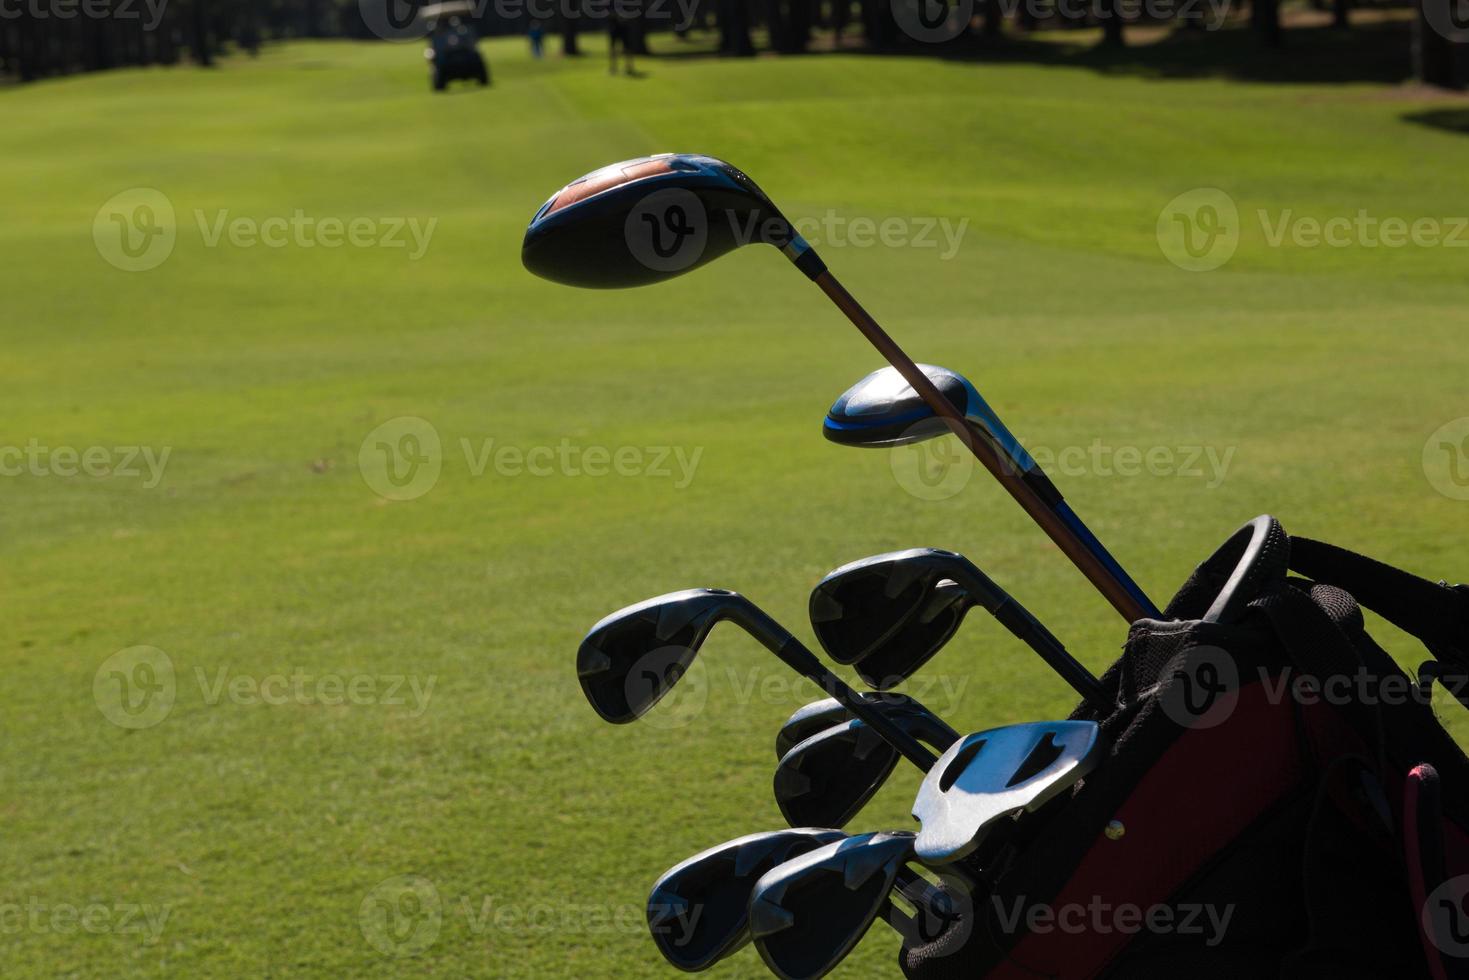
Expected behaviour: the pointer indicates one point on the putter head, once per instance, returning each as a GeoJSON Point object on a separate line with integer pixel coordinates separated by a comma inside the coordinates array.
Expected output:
{"type": "Point", "coordinates": [633, 657]}
{"type": "Point", "coordinates": [883, 410]}
{"type": "Point", "coordinates": [833, 774]}
{"type": "Point", "coordinates": [698, 911]}
{"type": "Point", "coordinates": [889, 614]}
{"type": "Point", "coordinates": [807, 914]}
{"type": "Point", "coordinates": [996, 775]}
{"type": "Point", "coordinates": [818, 716]}
{"type": "Point", "coordinates": [646, 220]}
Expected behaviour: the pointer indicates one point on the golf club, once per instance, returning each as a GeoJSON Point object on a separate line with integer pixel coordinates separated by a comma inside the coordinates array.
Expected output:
{"type": "Point", "coordinates": [828, 778]}
{"type": "Point", "coordinates": [883, 410]}
{"type": "Point", "coordinates": [888, 615]}
{"type": "Point", "coordinates": [698, 911]}
{"type": "Point", "coordinates": [633, 657]}
{"type": "Point", "coordinates": [993, 776]}
{"type": "Point", "coordinates": [807, 914]}
{"type": "Point", "coordinates": [818, 716]}
{"type": "Point", "coordinates": [646, 220]}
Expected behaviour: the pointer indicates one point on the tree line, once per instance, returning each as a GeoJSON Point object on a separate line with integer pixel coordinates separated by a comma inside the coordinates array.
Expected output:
{"type": "Point", "coordinates": [45, 38]}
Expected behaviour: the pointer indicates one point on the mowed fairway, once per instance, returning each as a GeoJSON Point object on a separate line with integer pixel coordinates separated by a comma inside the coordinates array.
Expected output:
{"type": "Point", "coordinates": [263, 829]}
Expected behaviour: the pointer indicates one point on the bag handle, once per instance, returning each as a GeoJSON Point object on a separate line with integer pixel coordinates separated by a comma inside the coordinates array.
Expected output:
{"type": "Point", "coordinates": [1434, 612]}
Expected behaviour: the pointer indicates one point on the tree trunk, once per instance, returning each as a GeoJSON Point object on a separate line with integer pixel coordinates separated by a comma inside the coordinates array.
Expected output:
{"type": "Point", "coordinates": [878, 24]}
{"type": "Point", "coordinates": [199, 35]}
{"type": "Point", "coordinates": [1340, 10]}
{"type": "Point", "coordinates": [570, 20]}
{"type": "Point", "coordinates": [1113, 35]}
{"type": "Point", "coordinates": [1438, 60]}
{"type": "Point", "coordinates": [734, 29]}
{"type": "Point", "coordinates": [994, 19]}
{"type": "Point", "coordinates": [1265, 19]}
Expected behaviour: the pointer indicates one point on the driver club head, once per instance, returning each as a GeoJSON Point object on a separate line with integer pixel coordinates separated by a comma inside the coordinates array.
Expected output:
{"type": "Point", "coordinates": [807, 914]}
{"type": "Point", "coordinates": [832, 775]}
{"type": "Point", "coordinates": [646, 220]}
{"type": "Point", "coordinates": [698, 911]}
{"type": "Point", "coordinates": [995, 775]}
{"type": "Point", "coordinates": [632, 658]}
{"type": "Point", "coordinates": [888, 615]}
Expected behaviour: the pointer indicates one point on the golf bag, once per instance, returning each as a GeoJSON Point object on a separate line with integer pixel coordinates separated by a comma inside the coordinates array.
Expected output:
{"type": "Point", "coordinates": [1279, 799]}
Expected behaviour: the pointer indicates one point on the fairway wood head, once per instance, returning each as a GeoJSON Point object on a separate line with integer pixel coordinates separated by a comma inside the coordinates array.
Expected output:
{"type": "Point", "coordinates": [883, 410]}
{"type": "Point", "coordinates": [698, 911]}
{"type": "Point", "coordinates": [807, 914]}
{"type": "Point", "coordinates": [633, 657]}
{"type": "Point", "coordinates": [996, 775]}
{"type": "Point", "coordinates": [818, 716]}
{"type": "Point", "coordinates": [646, 220]}
{"type": "Point", "coordinates": [828, 778]}
{"type": "Point", "coordinates": [888, 615]}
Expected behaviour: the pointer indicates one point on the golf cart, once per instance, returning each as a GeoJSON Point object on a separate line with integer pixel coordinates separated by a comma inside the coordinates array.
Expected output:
{"type": "Point", "coordinates": [451, 50]}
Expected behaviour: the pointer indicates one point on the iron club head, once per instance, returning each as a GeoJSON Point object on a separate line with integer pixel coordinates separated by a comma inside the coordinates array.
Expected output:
{"type": "Point", "coordinates": [833, 774]}
{"type": "Point", "coordinates": [698, 911]}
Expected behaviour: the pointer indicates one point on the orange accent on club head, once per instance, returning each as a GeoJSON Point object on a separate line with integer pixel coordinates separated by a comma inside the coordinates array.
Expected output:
{"type": "Point", "coordinates": [608, 177]}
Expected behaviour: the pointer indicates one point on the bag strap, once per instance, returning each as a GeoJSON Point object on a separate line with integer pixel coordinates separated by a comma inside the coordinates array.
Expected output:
{"type": "Point", "coordinates": [1434, 612]}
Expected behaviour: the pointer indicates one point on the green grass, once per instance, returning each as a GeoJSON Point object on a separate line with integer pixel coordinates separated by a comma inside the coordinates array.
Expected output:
{"type": "Point", "coordinates": [263, 550]}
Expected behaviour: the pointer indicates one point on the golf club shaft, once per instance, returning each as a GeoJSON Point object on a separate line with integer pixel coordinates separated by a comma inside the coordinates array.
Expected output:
{"type": "Point", "coordinates": [779, 641]}
{"type": "Point", "coordinates": [1028, 629]}
{"type": "Point", "coordinates": [1124, 594]}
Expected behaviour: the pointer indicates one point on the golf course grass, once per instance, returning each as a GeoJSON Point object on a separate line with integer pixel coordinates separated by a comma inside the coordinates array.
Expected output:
{"type": "Point", "coordinates": [367, 688]}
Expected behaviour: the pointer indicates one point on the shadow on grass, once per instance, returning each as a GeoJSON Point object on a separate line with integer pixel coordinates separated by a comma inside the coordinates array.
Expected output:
{"type": "Point", "coordinates": [1449, 120]}
{"type": "Point", "coordinates": [1371, 52]}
